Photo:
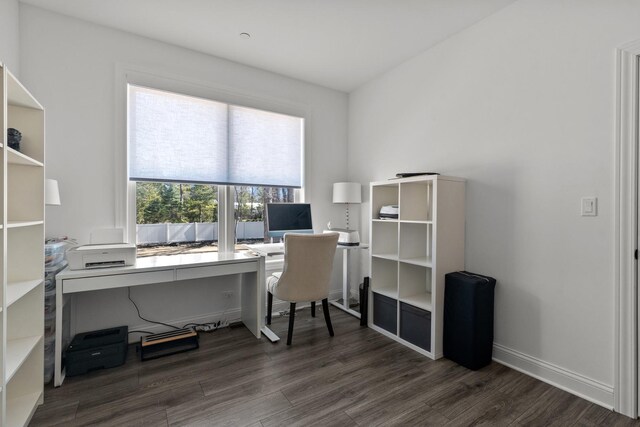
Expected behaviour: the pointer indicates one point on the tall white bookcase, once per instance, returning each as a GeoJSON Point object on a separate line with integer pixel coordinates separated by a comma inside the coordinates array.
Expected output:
{"type": "Point", "coordinates": [22, 249]}
{"type": "Point", "coordinates": [410, 256]}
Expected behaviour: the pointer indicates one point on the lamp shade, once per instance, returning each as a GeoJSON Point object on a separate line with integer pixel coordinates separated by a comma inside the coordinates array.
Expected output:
{"type": "Point", "coordinates": [347, 192]}
{"type": "Point", "coordinates": [51, 192]}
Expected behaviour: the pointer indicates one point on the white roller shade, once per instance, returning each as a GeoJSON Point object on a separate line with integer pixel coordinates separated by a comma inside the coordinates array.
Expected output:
{"type": "Point", "coordinates": [176, 138]}
{"type": "Point", "coordinates": [179, 138]}
{"type": "Point", "coordinates": [265, 148]}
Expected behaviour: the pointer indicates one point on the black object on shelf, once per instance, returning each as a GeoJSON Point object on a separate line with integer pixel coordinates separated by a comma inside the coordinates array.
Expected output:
{"type": "Point", "coordinates": [13, 138]}
{"type": "Point", "coordinates": [410, 174]}
{"type": "Point", "coordinates": [364, 301]}
{"type": "Point", "coordinates": [468, 319]}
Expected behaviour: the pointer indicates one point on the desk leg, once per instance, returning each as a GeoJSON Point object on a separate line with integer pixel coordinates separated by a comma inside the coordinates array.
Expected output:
{"type": "Point", "coordinates": [250, 297]}
{"type": "Point", "coordinates": [271, 336]}
{"type": "Point", "coordinates": [58, 376]}
{"type": "Point", "coordinates": [262, 290]}
{"type": "Point", "coordinates": [345, 286]}
{"type": "Point", "coordinates": [253, 302]}
{"type": "Point", "coordinates": [345, 279]}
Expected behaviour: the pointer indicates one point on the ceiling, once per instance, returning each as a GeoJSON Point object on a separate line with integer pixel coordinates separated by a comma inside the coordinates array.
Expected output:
{"type": "Point", "coordinates": [340, 44]}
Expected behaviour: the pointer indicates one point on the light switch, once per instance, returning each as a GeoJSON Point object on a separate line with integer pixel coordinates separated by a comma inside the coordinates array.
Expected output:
{"type": "Point", "coordinates": [589, 206]}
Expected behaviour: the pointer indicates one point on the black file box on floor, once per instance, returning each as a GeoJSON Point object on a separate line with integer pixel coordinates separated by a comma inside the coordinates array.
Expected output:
{"type": "Point", "coordinates": [468, 319]}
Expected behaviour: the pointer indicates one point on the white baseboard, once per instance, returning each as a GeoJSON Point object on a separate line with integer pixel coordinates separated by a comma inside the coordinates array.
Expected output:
{"type": "Point", "coordinates": [230, 316]}
{"type": "Point", "coordinates": [336, 294]}
{"type": "Point", "coordinates": [586, 388]}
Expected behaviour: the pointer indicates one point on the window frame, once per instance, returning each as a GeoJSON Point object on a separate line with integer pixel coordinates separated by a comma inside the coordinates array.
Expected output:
{"type": "Point", "coordinates": [125, 190]}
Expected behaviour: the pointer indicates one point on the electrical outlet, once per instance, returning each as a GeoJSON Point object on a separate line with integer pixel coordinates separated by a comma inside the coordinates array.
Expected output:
{"type": "Point", "coordinates": [589, 206]}
{"type": "Point", "coordinates": [227, 294]}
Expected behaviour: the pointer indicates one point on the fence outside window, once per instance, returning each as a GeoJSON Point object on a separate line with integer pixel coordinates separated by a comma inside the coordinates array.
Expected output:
{"type": "Point", "coordinates": [150, 234]}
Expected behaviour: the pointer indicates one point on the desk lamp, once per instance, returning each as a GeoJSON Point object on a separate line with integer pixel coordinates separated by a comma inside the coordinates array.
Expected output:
{"type": "Point", "coordinates": [51, 198]}
{"type": "Point", "coordinates": [347, 193]}
{"type": "Point", "coordinates": [51, 193]}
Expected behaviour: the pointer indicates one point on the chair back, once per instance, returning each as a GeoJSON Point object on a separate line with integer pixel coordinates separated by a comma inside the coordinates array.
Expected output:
{"type": "Point", "coordinates": [308, 263]}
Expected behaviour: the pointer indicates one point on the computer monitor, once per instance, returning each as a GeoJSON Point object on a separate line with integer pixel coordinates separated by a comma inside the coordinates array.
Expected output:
{"type": "Point", "coordinates": [288, 218]}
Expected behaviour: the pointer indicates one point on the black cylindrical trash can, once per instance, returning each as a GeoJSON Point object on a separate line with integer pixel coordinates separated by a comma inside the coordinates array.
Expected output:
{"type": "Point", "coordinates": [364, 301]}
{"type": "Point", "coordinates": [468, 319]}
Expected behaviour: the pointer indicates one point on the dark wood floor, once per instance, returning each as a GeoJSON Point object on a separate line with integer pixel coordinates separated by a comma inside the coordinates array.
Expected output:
{"type": "Point", "coordinates": [358, 377]}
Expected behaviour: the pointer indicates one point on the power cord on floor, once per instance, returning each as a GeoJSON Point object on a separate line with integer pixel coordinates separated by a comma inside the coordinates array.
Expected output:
{"type": "Point", "coordinates": [206, 327]}
{"type": "Point", "coordinates": [200, 327]}
{"type": "Point", "coordinates": [211, 326]}
{"type": "Point", "coordinates": [147, 320]}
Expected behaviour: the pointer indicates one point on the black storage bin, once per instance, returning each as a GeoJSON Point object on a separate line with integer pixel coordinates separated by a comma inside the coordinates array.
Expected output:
{"type": "Point", "coordinates": [385, 313]}
{"type": "Point", "coordinates": [415, 326]}
{"type": "Point", "coordinates": [468, 319]}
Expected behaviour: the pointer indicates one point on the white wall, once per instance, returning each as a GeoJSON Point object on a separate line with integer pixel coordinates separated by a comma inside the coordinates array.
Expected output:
{"type": "Point", "coordinates": [521, 104]}
{"type": "Point", "coordinates": [9, 35]}
{"type": "Point", "coordinates": [70, 67]}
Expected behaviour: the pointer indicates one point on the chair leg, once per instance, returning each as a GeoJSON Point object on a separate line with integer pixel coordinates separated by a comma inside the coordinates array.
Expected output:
{"type": "Point", "coordinates": [327, 318]}
{"type": "Point", "coordinates": [313, 309]}
{"type": "Point", "coordinates": [292, 315]}
{"type": "Point", "coordinates": [269, 307]}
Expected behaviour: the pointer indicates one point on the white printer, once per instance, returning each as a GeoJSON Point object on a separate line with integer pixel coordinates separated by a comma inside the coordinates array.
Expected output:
{"type": "Point", "coordinates": [105, 250]}
{"type": "Point", "coordinates": [389, 212]}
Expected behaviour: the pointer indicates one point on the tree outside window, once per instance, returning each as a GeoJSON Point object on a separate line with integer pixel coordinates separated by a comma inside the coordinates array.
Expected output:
{"type": "Point", "coordinates": [195, 207]}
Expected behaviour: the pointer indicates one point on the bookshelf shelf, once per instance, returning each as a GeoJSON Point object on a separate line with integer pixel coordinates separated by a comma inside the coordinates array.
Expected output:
{"type": "Point", "coordinates": [22, 255]}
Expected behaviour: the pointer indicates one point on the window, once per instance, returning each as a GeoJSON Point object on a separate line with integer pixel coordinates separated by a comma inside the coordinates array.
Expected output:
{"type": "Point", "coordinates": [189, 157]}
{"type": "Point", "coordinates": [249, 210]}
{"type": "Point", "coordinates": [175, 218]}
{"type": "Point", "coordinates": [180, 138]}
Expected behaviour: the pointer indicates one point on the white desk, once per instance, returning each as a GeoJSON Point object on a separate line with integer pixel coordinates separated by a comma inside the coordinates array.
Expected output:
{"type": "Point", "coordinates": [273, 249]}
{"type": "Point", "coordinates": [162, 269]}
{"type": "Point", "coordinates": [346, 250]}
{"type": "Point", "coordinates": [267, 249]}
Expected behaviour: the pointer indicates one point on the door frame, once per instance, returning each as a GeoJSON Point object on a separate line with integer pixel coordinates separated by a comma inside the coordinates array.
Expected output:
{"type": "Point", "coordinates": [626, 231]}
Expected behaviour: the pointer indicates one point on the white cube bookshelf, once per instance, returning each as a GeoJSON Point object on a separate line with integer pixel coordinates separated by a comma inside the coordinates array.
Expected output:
{"type": "Point", "coordinates": [410, 256]}
{"type": "Point", "coordinates": [22, 250]}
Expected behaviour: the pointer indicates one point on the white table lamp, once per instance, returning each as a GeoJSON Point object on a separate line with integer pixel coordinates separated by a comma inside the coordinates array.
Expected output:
{"type": "Point", "coordinates": [51, 193]}
{"type": "Point", "coordinates": [347, 192]}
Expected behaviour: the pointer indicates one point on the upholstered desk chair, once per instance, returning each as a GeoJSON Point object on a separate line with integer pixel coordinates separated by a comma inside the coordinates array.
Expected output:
{"type": "Point", "coordinates": [306, 277]}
